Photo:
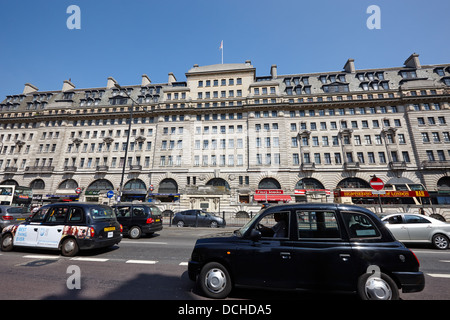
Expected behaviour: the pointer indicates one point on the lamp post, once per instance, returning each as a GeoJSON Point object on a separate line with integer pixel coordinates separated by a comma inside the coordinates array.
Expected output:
{"type": "Point", "coordinates": [119, 199]}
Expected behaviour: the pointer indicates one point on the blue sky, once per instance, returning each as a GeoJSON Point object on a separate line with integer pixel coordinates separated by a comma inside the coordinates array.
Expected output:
{"type": "Point", "coordinates": [125, 39]}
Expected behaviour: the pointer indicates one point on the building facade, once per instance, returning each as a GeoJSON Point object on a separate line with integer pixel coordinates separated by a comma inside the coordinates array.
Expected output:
{"type": "Point", "coordinates": [228, 140]}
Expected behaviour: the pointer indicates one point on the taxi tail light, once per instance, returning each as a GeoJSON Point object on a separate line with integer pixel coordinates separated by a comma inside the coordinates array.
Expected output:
{"type": "Point", "coordinates": [418, 262]}
{"type": "Point", "coordinates": [150, 220]}
{"type": "Point", "coordinates": [92, 231]}
{"type": "Point", "coordinates": [121, 228]}
{"type": "Point", "coordinates": [7, 217]}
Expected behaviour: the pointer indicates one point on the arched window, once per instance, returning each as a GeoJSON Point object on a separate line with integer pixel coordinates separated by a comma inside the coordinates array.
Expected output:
{"type": "Point", "coordinates": [218, 182]}
{"type": "Point", "coordinates": [353, 183]}
{"type": "Point", "coordinates": [269, 183]}
{"type": "Point", "coordinates": [69, 184]}
{"type": "Point", "coordinates": [168, 186]}
{"type": "Point", "coordinates": [309, 183]}
{"type": "Point", "coordinates": [37, 184]}
{"type": "Point", "coordinates": [101, 184]}
{"type": "Point", "coordinates": [135, 184]}
{"type": "Point", "coordinates": [10, 182]}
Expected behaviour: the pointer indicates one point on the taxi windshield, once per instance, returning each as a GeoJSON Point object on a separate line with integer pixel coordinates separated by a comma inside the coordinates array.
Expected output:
{"type": "Point", "coordinates": [240, 232]}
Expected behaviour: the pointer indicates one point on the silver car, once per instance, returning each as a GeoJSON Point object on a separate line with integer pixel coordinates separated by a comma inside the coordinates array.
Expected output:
{"type": "Point", "coordinates": [12, 215]}
{"type": "Point", "coordinates": [416, 228]}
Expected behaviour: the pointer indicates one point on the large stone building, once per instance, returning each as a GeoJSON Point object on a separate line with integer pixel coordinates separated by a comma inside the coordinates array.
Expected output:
{"type": "Point", "coordinates": [228, 140]}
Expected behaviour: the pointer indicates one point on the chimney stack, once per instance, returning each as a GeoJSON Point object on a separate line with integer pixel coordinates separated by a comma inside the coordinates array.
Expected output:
{"type": "Point", "coordinates": [350, 66]}
{"type": "Point", "coordinates": [145, 80]}
{"type": "Point", "coordinates": [29, 88]}
{"type": "Point", "coordinates": [67, 86]}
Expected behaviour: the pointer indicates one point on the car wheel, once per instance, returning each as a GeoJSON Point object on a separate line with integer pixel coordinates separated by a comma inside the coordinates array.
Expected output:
{"type": "Point", "coordinates": [214, 224]}
{"type": "Point", "coordinates": [440, 241]}
{"type": "Point", "coordinates": [215, 281]}
{"type": "Point", "coordinates": [180, 224]}
{"type": "Point", "coordinates": [69, 247]}
{"type": "Point", "coordinates": [7, 242]}
{"type": "Point", "coordinates": [135, 232]}
{"type": "Point", "coordinates": [377, 288]}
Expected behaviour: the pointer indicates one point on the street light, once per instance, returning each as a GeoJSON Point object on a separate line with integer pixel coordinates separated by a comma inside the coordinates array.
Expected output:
{"type": "Point", "coordinates": [128, 141]}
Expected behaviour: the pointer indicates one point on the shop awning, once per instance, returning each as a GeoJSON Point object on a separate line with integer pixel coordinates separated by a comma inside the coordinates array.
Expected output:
{"type": "Point", "coordinates": [272, 197]}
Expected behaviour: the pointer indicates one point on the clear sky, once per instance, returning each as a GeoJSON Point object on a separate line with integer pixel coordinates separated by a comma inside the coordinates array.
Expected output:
{"type": "Point", "coordinates": [125, 39]}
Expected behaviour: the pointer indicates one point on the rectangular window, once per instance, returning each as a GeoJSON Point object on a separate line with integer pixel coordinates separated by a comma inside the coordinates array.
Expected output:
{"type": "Point", "coordinates": [317, 225]}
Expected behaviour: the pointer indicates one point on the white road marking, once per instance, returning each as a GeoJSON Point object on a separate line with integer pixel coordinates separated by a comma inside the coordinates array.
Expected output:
{"type": "Point", "coordinates": [183, 264]}
{"type": "Point", "coordinates": [142, 261]}
{"type": "Point", "coordinates": [34, 256]}
{"type": "Point", "coordinates": [439, 275]}
{"type": "Point", "coordinates": [142, 242]}
{"type": "Point", "coordinates": [89, 259]}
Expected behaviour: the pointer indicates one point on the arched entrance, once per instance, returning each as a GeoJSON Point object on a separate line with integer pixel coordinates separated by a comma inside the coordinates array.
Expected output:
{"type": "Point", "coordinates": [167, 191]}
{"type": "Point", "coordinates": [96, 189]}
{"type": "Point", "coordinates": [443, 191]}
{"type": "Point", "coordinates": [269, 190]}
{"type": "Point", "coordinates": [311, 190]}
{"type": "Point", "coordinates": [134, 189]}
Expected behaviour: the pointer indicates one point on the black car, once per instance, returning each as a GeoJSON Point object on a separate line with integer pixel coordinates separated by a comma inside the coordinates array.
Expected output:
{"type": "Point", "coordinates": [308, 246]}
{"type": "Point", "coordinates": [68, 227]}
{"type": "Point", "coordinates": [139, 218]}
{"type": "Point", "coordinates": [197, 218]}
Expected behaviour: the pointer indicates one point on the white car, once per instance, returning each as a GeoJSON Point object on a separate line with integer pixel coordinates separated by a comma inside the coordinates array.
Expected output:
{"type": "Point", "coordinates": [416, 228]}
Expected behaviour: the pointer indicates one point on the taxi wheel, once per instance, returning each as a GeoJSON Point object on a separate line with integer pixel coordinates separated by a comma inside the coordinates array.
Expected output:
{"type": "Point", "coordinates": [377, 288]}
{"type": "Point", "coordinates": [135, 232]}
{"type": "Point", "coordinates": [7, 242]}
{"type": "Point", "coordinates": [215, 281]}
{"type": "Point", "coordinates": [69, 247]}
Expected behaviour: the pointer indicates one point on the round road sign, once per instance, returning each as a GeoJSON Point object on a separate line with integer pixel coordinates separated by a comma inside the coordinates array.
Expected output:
{"type": "Point", "coordinates": [377, 183]}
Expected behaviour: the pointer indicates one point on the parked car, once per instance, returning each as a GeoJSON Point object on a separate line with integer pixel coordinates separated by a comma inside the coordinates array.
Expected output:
{"type": "Point", "coordinates": [12, 215]}
{"type": "Point", "coordinates": [68, 227]}
{"type": "Point", "coordinates": [138, 219]}
{"type": "Point", "coordinates": [199, 218]}
{"type": "Point", "coordinates": [320, 246]}
{"type": "Point", "coordinates": [416, 228]}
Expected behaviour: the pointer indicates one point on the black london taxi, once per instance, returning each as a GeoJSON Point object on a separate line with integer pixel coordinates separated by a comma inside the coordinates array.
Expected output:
{"type": "Point", "coordinates": [68, 227]}
{"type": "Point", "coordinates": [320, 246]}
{"type": "Point", "coordinates": [139, 218]}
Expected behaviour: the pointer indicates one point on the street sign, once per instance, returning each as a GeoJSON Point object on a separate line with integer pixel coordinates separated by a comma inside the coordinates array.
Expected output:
{"type": "Point", "coordinates": [78, 190]}
{"type": "Point", "coordinates": [376, 183]}
{"type": "Point", "coordinates": [110, 194]}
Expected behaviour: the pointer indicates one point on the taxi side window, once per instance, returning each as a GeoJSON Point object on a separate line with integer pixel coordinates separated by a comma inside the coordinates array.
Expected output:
{"type": "Point", "coordinates": [76, 215]}
{"type": "Point", "coordinates": [124, 211]}
{"type": "Point", "coordinates": [317, 225]}
{"type": "Point", "coordinates": [57, 215]}
{"type": "Point", "coordinates": [39, 215]}
{"type": "Point", "coordinates": [360, 225]}
{"type": "Point", "coordinates": [138, 212]}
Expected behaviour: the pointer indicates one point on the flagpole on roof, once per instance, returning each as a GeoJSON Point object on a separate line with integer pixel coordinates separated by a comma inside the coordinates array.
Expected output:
{"type": "Point", "coordinates": [221, 48]}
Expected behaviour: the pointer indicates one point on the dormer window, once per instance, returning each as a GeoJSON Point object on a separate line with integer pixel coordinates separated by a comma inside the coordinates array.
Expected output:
{"type": "Point", "coordinates": [408, 74]}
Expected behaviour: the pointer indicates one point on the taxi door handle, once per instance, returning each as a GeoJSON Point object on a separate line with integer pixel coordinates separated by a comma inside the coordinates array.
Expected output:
{"type": "Point", "coordinates": [285, 255]}
{"type": "Point", "coordinates": [35, 229]}
{"type": "Point", "coordinates": [344, 257]}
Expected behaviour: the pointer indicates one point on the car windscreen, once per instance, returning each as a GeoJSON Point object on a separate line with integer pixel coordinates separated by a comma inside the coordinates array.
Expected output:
{"type": "Point", "coordinates": [240, 232]}
{"type": "Point", "coordinates": [102, 213]}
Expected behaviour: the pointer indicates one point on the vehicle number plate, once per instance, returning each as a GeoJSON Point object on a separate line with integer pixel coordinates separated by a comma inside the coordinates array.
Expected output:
{"type": "Point", "coordinates": [110, 234]}
{"type": "Point", "coordinates": [157, 220]}
{"type": "Point", "coordinates": [20, 219]}
{"type": "Point", "coordinates": [109, 229]}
